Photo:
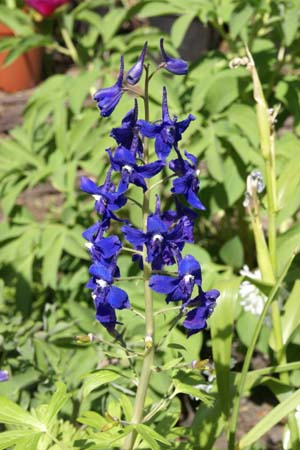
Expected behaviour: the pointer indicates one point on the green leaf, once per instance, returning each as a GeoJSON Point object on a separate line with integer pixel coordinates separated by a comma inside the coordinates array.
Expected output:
{"type": "Point", "coordinates": [213, 156]}
{"type": "Point", "coordinates": [183, 388]}
{"type": "Point", "coordinates": [222, 92]}
{"type": "Point", "coordinates": [13, 437]}
{"type": "Point", "coordinates": [58, 399]}
{"type": "Point", "coordinates": [244, 117]}
{"type": "Point", "coordinates": [151, 436]}
{"type": "Point", "coordinates": [290, 24]}
{"type": "Point", "coordinates": [13, 414]}
{"type": "Point", "coordinates": [275, 416]}
{"type": "Point", "coordinates": [154, 9]}
{"type": "Point", "coordinates": [25, 44]}
{"type": "Point", "coordinates": [180, 28]}
{"type": "Point", "coordinates": [208, 424]}
{"type": "Point", "coordinates": [232, 252]}
{"type": "Point", "coordinates": [51, 261]}
{"type": "Point", "coordinates": [17, 20]}
{"type": "Point", "coordinates": [239, 21]}
{"type": "Point", "coordinates": [287, 243]}
{"type": "Point", "coordinates": [291, 313]}
{"type": "Point", "coordinates": [97, 379]}
{"type": "Point", "coordinates": [221, 324]}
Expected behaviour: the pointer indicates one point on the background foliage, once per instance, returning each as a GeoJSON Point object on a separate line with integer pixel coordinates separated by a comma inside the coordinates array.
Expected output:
{"type": "Point", "coordinates": [43, 264]}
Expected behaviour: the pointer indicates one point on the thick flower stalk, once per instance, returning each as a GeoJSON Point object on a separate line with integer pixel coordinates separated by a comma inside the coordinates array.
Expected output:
{"type": "Point", "coordinates": [160, 239]}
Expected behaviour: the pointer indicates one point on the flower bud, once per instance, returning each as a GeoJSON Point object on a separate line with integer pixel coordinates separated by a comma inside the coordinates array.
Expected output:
{"type": "Point", "coordinates": [134, 74]}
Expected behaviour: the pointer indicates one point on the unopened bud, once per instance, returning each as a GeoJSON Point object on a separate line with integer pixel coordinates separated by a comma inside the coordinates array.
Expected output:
{"type": "Point", "coordinates": [85, 339]}
{"type": "Point", "coordinates": [148, 342]}
{"type": "Point", "coordinates": [238, 62]}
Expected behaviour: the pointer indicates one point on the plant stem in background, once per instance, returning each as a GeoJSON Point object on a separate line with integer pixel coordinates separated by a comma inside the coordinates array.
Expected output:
{"type": "Point", "coordinates": [149, 315]}
{"type": "Point", "coordinates": [246, 365]}
{"type": "Point", "coordinates": [70, 46]}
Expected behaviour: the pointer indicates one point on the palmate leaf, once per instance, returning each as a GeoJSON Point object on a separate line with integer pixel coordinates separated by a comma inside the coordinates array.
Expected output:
{"type": "Point", "coordinates": [13, 437]}
{"type": "Point", "coordinates": [151, 436]}
{"type": "Point", "coordinates": [58, 399]}
{"type": "Point", "coordinates": [13, 414]}
{"type": "Point", "coordinates": [26, 43]}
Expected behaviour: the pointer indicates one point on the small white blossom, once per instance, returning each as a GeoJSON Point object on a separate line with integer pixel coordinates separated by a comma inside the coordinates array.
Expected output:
{"type": "Point", "coordinates": [252, 299]}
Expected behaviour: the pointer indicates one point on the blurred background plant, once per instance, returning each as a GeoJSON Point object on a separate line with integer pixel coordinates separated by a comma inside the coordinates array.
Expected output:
{"type": "Point", "coordinates": [43, 303]}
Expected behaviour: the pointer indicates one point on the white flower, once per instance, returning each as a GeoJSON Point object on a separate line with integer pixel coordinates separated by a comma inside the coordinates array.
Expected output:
{"type": "Point", "coordinates": [252, 299]}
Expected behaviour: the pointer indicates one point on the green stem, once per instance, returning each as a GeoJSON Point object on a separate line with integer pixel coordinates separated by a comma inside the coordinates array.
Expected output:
{"type": "Point", "coordinates": [70, 46]}
{"type": "Point", "coordinates": [246, 365]}
{"type": "Point", "coordinates": [144, 379]}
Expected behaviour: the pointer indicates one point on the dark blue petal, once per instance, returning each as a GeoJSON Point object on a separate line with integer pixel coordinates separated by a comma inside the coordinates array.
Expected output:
{"type": "Point", "coordinates": [134, 74]}
{"type": "Point", "coordinates": [108, 98]}
{"type": "Point", "coordinates": [196, 320]}
{"type": "Point", "coordinates": [134, 236]}
{"type": "Point", "coordinates": [156, 225]}
{"type": "Point", "coordinates": [165, 110]}
{"type": "Point", "coordinates": [89, 186]}
{"type": "Point", "coordinates": [109, 246]}
{"type": "Point", "coordinates": [101, 272]}
{"type": "Point", "coordinates": [148, 129]}
{"type": "Point", "coordinates": [174, 65]}
{"type": "Point", "coordinates": [117, 298]}
{"type": "Point", "coordinates": [162, 148]}
{"type": "Point", "coordinates": [163, 284]}
{"type": "Point", "coordinates": [152, 169]}
{"type": "Point", "coordinates": [182, 126]}
{"type": "Point", "coordinates": [106, 315]}
{"type": "Point", "coordinates": [189, 265]}
{"type": "Point", "coordinates": [91, 233]}
{"type": "Point", "coordinates": [193, 200]}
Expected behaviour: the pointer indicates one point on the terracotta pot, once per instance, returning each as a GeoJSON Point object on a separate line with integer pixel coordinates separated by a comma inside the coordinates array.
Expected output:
{"type": "Point", "coordinates": [25, 72]}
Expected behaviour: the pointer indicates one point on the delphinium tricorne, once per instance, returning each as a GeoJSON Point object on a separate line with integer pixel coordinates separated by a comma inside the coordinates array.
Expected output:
{"type": "Point", "coordinates": [159, 242]}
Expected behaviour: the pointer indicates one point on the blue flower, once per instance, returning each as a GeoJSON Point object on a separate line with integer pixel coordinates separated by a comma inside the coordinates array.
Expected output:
{"type": "Point", "coordinates": [174, 65]}
{"type": "Point", "coordinates": [128, 130]}
{"type": "Point", "coordinates": [106, 315]}
{"type": "Point", "coordinates": [107, 200]}
{"type": "Point", "coordinates": [181, 287]}
{"type": "Point", "coordinates": [134, 74]}
{"type": "Point", "coordinates": [187, 183]}
{"type": "Point", "coordinates": [163, 244]}
{"type": "Point", "coordinates": [102, 250]}
{"type": "Point", "coordinates": [106, 296]}
{"type": "Point", "coordinates": [168, 133]}
{"type": "Point", "coordinates": [108, 98]}
{"type": "Point", "coordinates": [4, 375]}
{"type": "Point", "coordinates": [196, 318]}
{"type": "Point", "coordinates": [124, 161]}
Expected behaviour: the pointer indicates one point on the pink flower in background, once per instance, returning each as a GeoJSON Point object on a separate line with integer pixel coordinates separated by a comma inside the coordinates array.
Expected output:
{"type": "Point", "coordinates": [46, 7]}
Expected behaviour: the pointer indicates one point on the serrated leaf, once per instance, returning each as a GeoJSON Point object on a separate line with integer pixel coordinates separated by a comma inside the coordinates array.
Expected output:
{"type": "Point", "coordinates": [151, 436]}
{"type": "Point", "coordinates": [13, 414]}
{"type": "Point", "coordinates": [58, 399]}
{"type": "Point", "coordinates": [97, 379]}
{"type": "Point", "coordinates": [13, 437]}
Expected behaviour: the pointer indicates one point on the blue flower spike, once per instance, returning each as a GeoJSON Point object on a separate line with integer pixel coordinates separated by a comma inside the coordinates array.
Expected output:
{"type": "Point", "coordinates": [160, 241]}
{"type": "Point", "coordinates": [108, 98]}
{"type": "Point", "coordinates": [173, 65]}
{"type": "Point", "coordinates": [134, 74]}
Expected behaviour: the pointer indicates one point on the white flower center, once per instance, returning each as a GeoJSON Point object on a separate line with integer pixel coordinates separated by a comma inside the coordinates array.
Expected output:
{"type": "Point", "coordinates": [188, 279]}
{"type": "Point", "coordinates": [89, 245]}
{"type": "Point", "coordinates": [101, 283]}
{"type": "Point", "coordinates": [97, 197]}
{"type": "Point", "coordinates": [158, 238]}
{"type": "Point", "coordinates": [128, 169]}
